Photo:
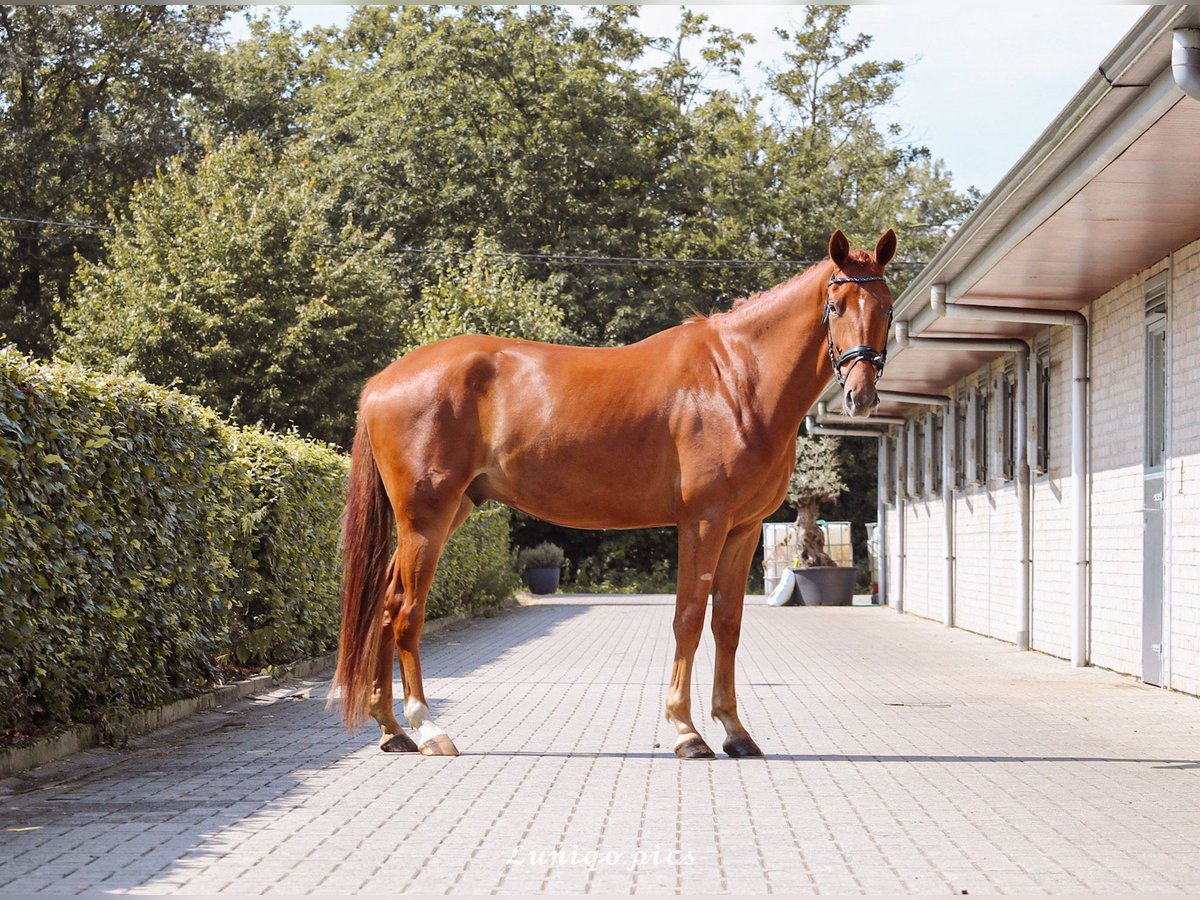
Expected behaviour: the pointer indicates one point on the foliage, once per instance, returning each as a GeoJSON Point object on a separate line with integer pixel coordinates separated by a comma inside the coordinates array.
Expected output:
{"type": "Point", "coordinates": [117, 528]}
{"type": "Point", "coordinates": [285, 593]}
{"type": "Point", "coordinates": [273, 273]}
{"type": "Point", "coordinates": [544, 556]}
{"type": "Point", "coordinates": [144, 544]}
{"type": "Point", "coordinates": [485, 292]}
{"type": "Point", "coordinates": [91, 100]}
{"type": "Point", "coordinates": [475, 573]}
{"type": "Point", "coordinates": [816, 478]}
{"type": "Point", "coordinates": [817, 474]}
{"type": "Point", "coordinates": [232, 281]}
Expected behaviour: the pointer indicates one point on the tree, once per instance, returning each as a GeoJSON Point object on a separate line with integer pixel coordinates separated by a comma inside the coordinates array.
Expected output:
{"type": "Point", "coordinates": [484, 292]}
{"type": "Point", "coordinates": [232, 282]}
{"type": "Point", "coordinates": [836, 164]}
{"type": "Point", "coordinates": [91, 100]}
{"type": "Point", "coordinates": [816, 479]}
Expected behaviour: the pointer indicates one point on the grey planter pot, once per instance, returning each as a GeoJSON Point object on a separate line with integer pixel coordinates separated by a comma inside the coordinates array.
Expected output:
{"type": "Point", "coordinates": [542, 581]}
{"type": "Point", "coordinates": [825, 585]}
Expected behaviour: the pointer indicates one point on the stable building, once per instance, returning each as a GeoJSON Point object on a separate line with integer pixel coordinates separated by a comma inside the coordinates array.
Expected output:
{"type": "Point", "coordinates": [1040, 420]}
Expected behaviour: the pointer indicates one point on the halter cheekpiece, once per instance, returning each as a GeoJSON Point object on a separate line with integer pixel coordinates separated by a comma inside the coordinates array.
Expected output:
{"type": "Point", "coordinates": [875, 357]}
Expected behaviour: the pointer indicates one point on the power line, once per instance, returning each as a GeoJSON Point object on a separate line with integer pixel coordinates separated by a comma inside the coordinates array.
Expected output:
{"type": "Point", "coordinates": [56, 224]}
{"type": "Point", "coordinates": [579, 259]}
{"type": "Point", "coordinates": [617, 261]}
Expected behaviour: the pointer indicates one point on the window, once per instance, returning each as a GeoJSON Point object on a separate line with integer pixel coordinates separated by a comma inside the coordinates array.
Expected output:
{"type": "Point", "coordinates": [1005, 418]}
{"type": "Point", "coordinates": [960, 441]}
{"type": "Point", "coordinates": [1156, 370]}
{"type": "Point", "coordinates": [887, 456]}
{"type": "Point", "coordinates": [933, 453]}
{"type": "Point", "coordinates": [1039, 390]}
{"type": "Point", "coordinates": [916, 468]}
{"type": "Point", "coordinates": [976, 433]}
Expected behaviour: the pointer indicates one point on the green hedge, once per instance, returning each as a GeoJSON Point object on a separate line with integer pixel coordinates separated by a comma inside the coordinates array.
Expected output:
{"type": "Point", "coordinates": [145, 545]}
{"type": "Point", "coordinates": [117, 522]}
{"type": "Point", "coordinates": [476, 572]}
{"type": "Point", "coordinates": [286, 562]}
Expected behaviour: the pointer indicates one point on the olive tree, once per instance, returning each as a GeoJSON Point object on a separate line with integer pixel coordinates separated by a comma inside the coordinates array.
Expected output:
{"type": "Point", "coordinates": [816, 478]}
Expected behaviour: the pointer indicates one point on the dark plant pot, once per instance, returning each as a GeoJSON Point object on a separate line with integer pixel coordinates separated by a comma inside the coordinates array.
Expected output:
{"type": "Point", "coordinates": [542, 581]}
{"type": "Point", "coordinates": [825, 585]}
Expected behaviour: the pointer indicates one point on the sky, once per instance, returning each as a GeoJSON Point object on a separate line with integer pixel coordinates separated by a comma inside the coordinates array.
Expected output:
{"type": "Point", "coordinates": [982, 80]}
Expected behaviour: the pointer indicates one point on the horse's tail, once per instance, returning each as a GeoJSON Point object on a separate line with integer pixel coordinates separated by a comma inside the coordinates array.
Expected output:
{"type": "Point", "coordinates": [366, 546]}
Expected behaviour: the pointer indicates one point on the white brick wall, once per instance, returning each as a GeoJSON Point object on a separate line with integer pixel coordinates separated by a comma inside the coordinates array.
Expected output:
{"type": "Point", "coordinates": [1116, 425]}
{"type": "Point", "coordinates": [1053, 493]}
{"type": "Point", "coordinates": [1182, 629]}
{"type": "Point", "coordinates": [986, 517]}
{"type": "Point", "coordinates": [924, 585]}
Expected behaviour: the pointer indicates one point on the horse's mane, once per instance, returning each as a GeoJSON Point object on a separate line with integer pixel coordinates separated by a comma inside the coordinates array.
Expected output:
{"type": "Point", "coordinates": [858, 256]}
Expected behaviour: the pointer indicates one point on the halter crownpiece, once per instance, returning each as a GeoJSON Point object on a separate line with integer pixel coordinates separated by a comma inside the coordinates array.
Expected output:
{"type": "Point", "coordinates": [875, 357]}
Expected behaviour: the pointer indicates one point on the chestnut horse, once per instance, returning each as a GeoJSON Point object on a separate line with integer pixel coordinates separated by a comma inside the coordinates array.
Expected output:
{"type": "Point", "coordinates": [693, 427]}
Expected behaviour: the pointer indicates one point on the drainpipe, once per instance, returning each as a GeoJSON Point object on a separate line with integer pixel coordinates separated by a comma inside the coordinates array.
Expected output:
{"type": "Point", "coordinates": [1021, 349]}
{"type": "Point", "coordinates": [1079, 400]}
{"type": "Point", "coordinates": [949, 412]}
{"type": "Point", "coordinates": [825, 419]}
{"type": "Point", "coordinates": [901, 536]}
{"type": "Point", "coordinates": [879, 434]}
{"type": "Point", "coordinates": [1185, 60]}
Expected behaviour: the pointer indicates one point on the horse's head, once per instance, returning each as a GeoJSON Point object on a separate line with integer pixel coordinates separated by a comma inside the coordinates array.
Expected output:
{"type": "Point", "coordinates": [858, 313]}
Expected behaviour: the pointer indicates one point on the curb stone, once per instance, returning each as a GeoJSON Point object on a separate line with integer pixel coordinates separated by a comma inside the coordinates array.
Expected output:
{"type": "Point", "coordinates": [16, 761]}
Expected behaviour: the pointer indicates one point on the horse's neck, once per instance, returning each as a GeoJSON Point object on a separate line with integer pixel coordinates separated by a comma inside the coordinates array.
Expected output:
{"type": "Point", "coordinates": [782, 330]}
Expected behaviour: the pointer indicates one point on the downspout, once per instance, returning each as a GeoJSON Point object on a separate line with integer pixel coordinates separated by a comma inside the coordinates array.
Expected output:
{"type": "Point", "coordinates": [1079, 450]}
{"type": "Point", "coordinates": [949, 413]}
{"type": "Point", "coordinates": [879, 434]}
{"type": "Point", "coordinates": [1021, 464]}
{"type": "Point", "coordinates": [901, 549]}
{"type": "Point", "coordinates": [1185, 60]}
{"type": "Point", "coordinates": [825, 419]}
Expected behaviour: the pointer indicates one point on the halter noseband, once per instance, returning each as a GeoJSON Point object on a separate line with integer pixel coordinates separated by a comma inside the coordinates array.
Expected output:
{"type": "Point", "coordinates": [875, 357]}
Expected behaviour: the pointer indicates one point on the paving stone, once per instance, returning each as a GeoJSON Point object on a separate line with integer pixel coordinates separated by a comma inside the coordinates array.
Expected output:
{"type": "Point", "coordinates": [901, 757]}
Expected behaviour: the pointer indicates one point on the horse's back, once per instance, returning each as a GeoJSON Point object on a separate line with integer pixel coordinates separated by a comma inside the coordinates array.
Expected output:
{"type": "Point", "coordinates": [581, 436]}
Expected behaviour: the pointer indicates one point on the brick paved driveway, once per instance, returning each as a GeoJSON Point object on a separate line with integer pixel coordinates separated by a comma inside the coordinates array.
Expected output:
{"type": "Point", "coordinates": [901, 756]}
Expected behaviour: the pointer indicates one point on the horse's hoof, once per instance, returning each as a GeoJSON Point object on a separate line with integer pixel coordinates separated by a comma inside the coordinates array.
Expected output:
{"type": "Point", "coordinates": [741, 747]}
{"type": "Point", "coordinates": [398, 743]}
{"type": "Point", "coordinates": [439, 745]}
{"type": "Point", "coordinates": [694, 748]}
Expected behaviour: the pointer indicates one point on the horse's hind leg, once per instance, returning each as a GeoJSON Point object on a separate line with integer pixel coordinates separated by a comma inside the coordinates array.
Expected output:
{"type": "Point", "coordinates": [393, 739]}
{"type": "Point", "coordinates": [418, 551]}
{"type": "Point", "coordinates": [729, 593]}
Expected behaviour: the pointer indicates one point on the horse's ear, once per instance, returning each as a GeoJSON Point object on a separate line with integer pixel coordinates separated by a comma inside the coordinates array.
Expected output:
{"type": "Point", "coordinates": [839, 248]}
{"type": "Point", "coordinates": [886, 248]}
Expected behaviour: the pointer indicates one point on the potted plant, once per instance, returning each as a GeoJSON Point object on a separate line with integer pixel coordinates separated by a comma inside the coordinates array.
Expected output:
{"type": "Point", "coordinates": [817, 478]}
{"type": "Point", "coordinates": [542, 566]}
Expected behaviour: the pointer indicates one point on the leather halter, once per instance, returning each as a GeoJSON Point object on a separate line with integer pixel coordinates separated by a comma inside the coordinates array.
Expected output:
{"type": "Point", "coordinates": [876, 358]}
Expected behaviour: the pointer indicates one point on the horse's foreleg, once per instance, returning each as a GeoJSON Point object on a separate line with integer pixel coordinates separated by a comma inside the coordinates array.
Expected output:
{"type": "Point", "coordinates": [699, 548]}
{"type": "Point", "coordinates": [393, 739]}
{"type": "Point", "coordinates": [418, 553]}
{"type": "Point", "coordinates": [728, 596]}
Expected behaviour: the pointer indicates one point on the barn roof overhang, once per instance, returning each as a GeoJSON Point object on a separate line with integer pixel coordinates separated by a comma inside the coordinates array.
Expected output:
{"type": "Point", "coordinates": [1109, 188]}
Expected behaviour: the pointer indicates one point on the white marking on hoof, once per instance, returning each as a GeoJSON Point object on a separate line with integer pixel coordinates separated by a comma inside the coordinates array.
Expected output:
{"type": "Point", "coordinates": [421, 722]}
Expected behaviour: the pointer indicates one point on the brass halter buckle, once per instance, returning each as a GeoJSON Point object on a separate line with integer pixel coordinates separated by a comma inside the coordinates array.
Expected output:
{"type": "Point", "coordinates": [875, 357]}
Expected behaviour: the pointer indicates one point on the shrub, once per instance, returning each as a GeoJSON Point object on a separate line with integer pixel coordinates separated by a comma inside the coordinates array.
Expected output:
{"type": "Point", "coordinates": [475, 575]}
{"type": "Point", "coordinates": [117, 525]}
{"type": "Point", "coordinates": [285, 595]}
{"type": "Point", "coordinates": [144, 543]}
{"type": "Point", "coordinates": [544, 556]}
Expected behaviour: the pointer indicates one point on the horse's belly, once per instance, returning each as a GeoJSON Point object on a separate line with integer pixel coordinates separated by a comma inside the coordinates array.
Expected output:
{"type": "Point", "coordinates": [585, 494]}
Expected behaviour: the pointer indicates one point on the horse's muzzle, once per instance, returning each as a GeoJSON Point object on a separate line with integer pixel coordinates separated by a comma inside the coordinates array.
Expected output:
{"type": "Point", "coordinates": [859, 402]}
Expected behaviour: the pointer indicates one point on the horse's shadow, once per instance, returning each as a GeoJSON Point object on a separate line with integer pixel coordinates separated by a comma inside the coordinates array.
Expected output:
{"type": "Point", "coordinates": [666, 754]}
